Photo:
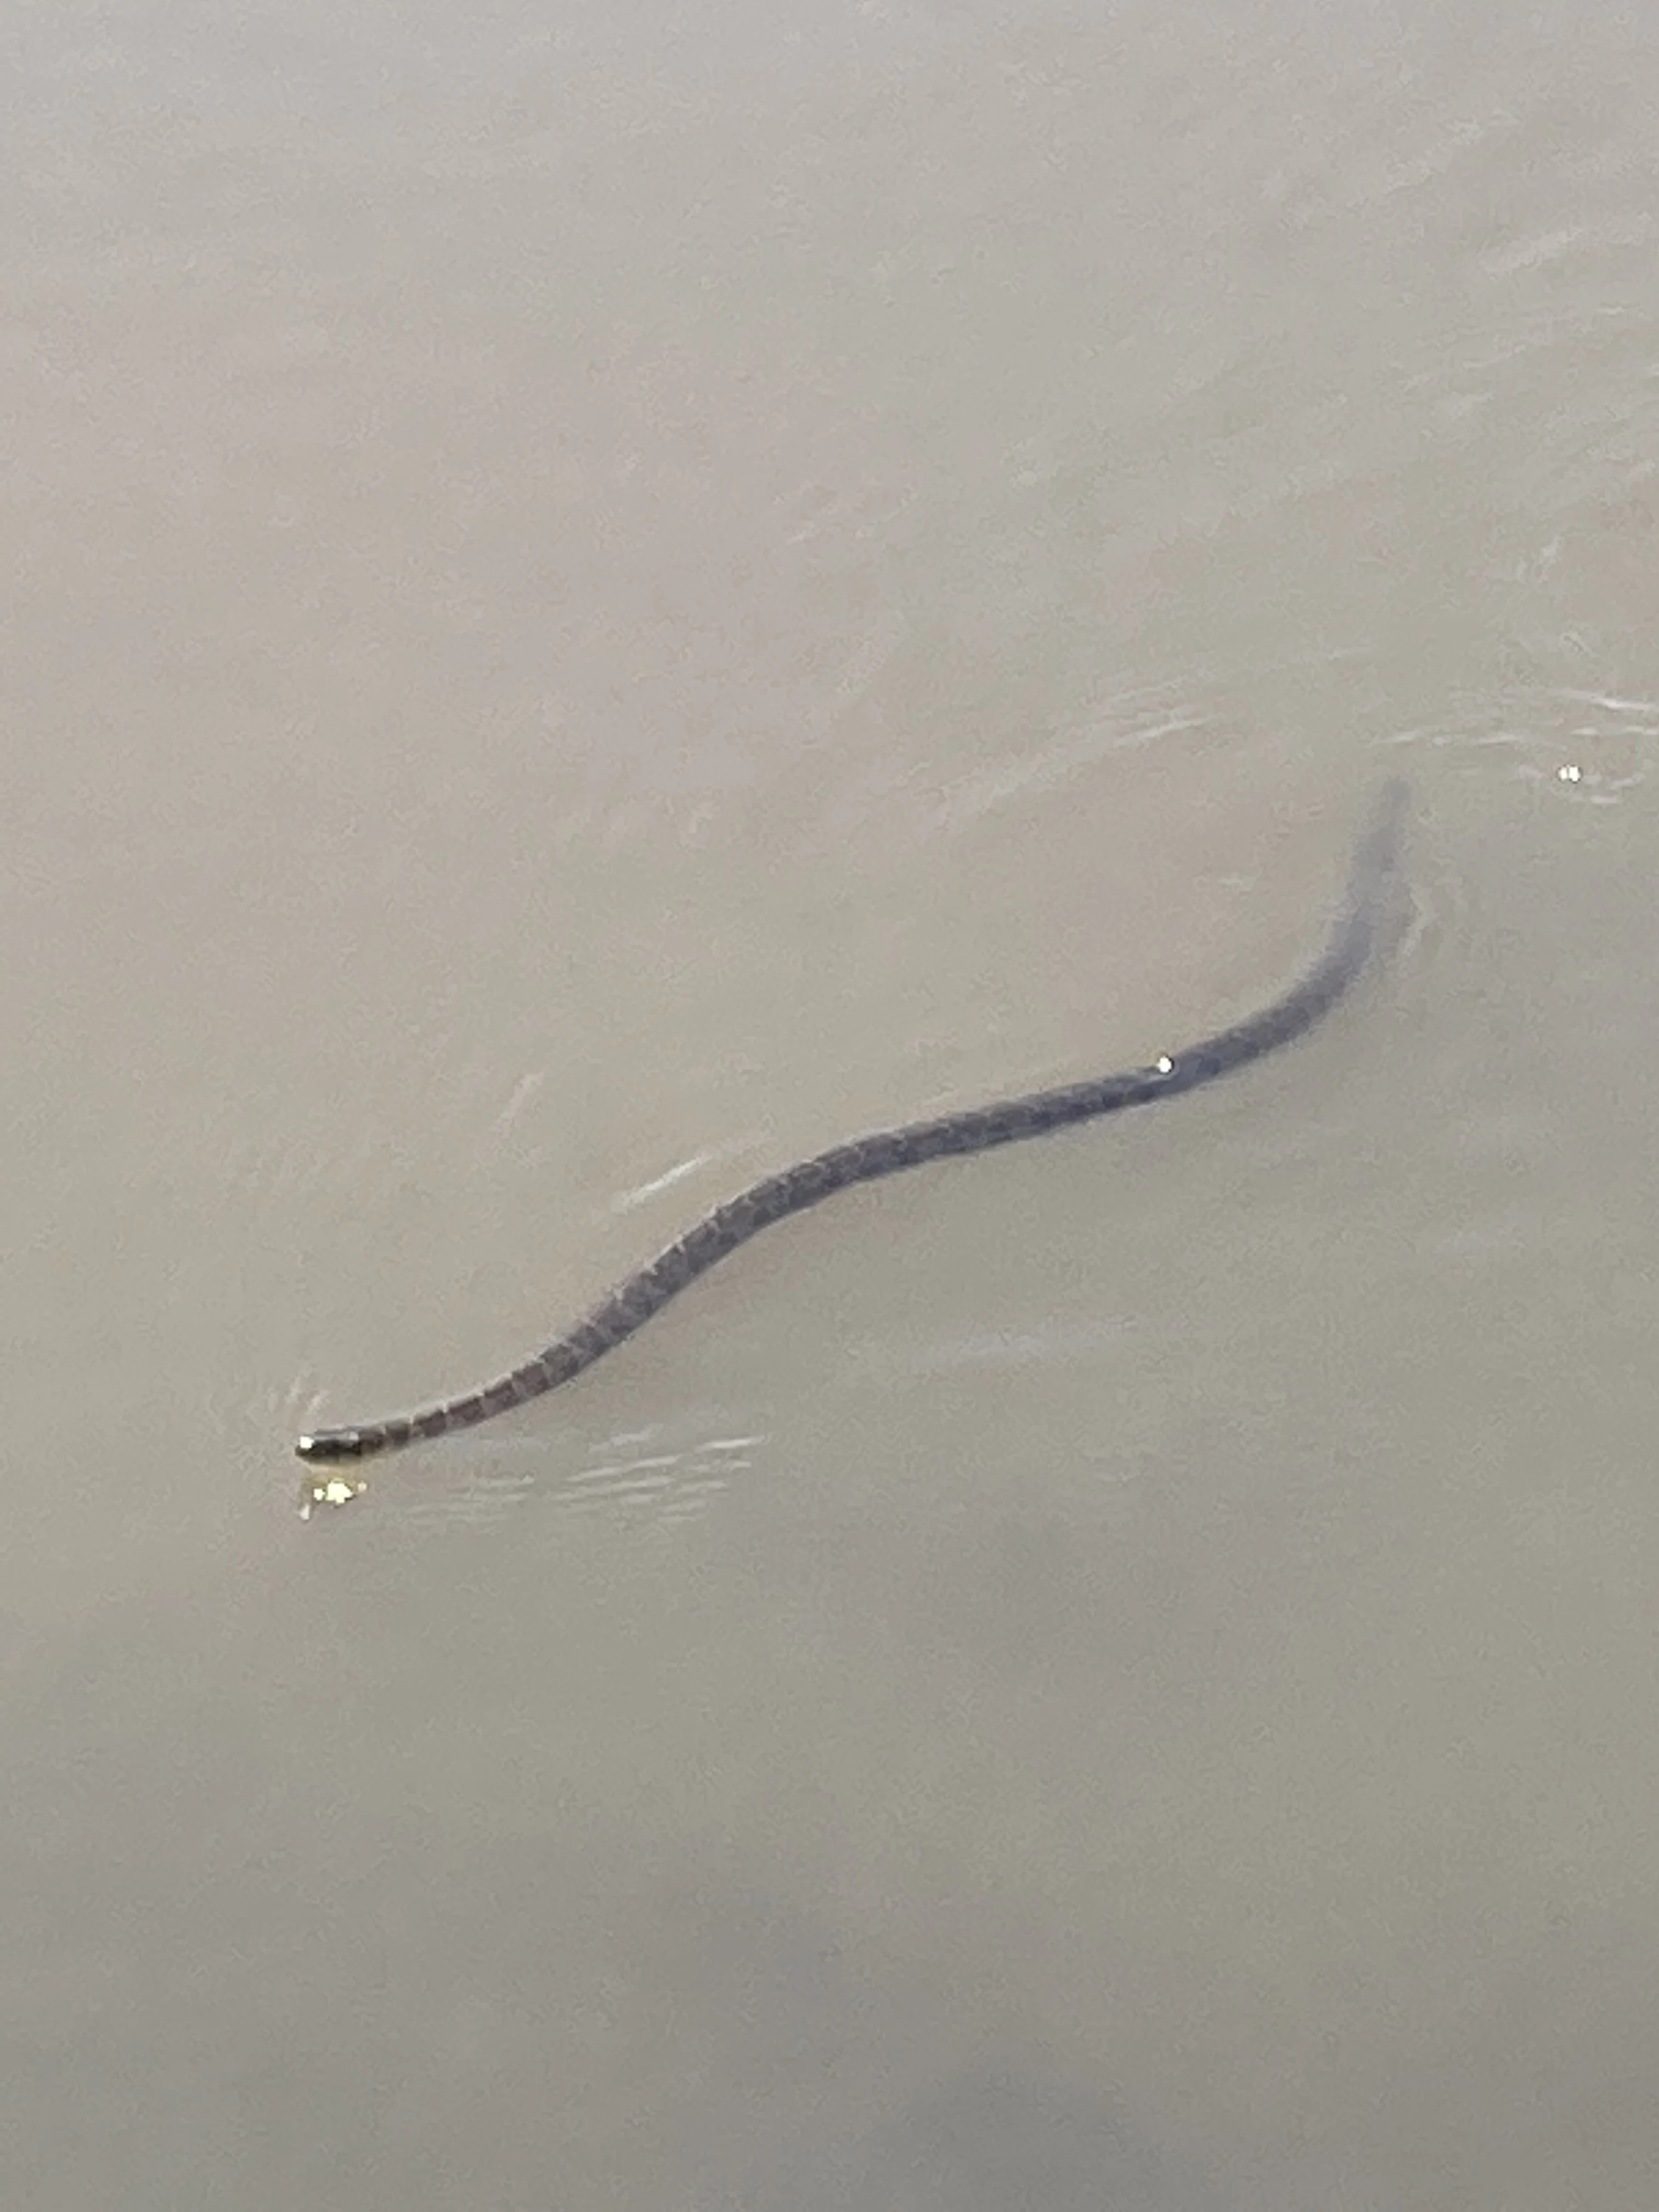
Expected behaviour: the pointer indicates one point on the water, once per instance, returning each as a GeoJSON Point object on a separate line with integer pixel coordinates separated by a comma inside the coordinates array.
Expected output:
{"type": "Point", "coordinates": [594, 610]}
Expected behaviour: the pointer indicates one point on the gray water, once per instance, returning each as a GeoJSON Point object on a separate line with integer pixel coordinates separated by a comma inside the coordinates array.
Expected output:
{"type": "Point", "coordinates": [597, 602]}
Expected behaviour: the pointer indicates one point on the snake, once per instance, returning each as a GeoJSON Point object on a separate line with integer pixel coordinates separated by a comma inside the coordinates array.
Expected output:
{"type": "Point", "coordinates": [1361, 923]}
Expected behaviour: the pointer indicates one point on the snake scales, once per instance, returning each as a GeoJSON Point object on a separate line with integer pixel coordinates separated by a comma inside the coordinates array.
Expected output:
{"type": "Point", "coordinates": [1361, 922]}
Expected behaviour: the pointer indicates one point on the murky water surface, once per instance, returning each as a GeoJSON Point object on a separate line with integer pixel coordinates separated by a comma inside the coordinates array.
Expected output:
{"type": "Point", "coordinates": [600, 601]}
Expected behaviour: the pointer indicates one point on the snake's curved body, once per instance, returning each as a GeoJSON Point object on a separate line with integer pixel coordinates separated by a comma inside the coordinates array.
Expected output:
{"type": "Point", "coordinates": [1361, 923]}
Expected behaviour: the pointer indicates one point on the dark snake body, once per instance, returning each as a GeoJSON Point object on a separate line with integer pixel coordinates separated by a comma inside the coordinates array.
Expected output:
{"type": "Point", "coordinates": [1362, 921]}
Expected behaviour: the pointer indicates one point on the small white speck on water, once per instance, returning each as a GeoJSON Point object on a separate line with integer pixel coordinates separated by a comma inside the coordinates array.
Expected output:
{"type": "Point", "coordinates": [1163, 1064]}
